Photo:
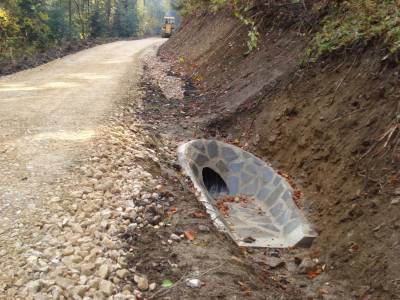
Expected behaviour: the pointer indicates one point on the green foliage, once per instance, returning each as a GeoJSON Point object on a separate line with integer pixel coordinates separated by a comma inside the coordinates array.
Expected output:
{"type": "Point", "coordinates": [253, 34]}
{"type": "Point", "coordinates": [126, 19]}
{"type": "Point", "coordinates": [97, 23]}
{"type": "Point", "coordinates": [358, 22]}
{"type": "Point", "coordinates": [8, 24]}
{"type": "Point", "coordinates": [240, 9]}
{"type": "Point", "coordinates": [58, 24]}
{"type": "Point", "coordinates": [30, 26]}
{"type": "Point", "coordinates": [153, 15]}
{"type": "Point", "coordinates": [253, 39]}
{"type": "Point", "coordinates": [218, 4]}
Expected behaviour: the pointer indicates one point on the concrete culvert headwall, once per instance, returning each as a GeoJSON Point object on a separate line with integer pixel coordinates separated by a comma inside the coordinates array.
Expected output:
{"type": "Point", "coordinates": [245, 196]}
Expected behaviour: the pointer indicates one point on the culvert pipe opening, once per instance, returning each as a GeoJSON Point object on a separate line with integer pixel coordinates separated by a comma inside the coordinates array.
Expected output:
{"type": "Point", "coordinates": [214, 183]}
{"type": "Point", "coordinates": [270, 217]}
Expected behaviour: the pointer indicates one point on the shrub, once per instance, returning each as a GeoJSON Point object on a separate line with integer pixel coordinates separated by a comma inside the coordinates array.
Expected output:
{"type": "Point", "coordinates": [357, 22]}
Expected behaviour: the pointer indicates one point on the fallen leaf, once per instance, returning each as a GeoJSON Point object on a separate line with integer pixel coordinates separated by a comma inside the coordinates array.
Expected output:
{"type": "Point", "coordinates": [237, 259]}
{"type": "Point", "coordinates": [199, 215]}
{"type": "Point", "coordinates": [189, 235]}
{"type": "Point", "coordinates": [167, 283]}
{"type": "Point", "coordinates": [323, 291]}
{"type": "Point", "coordinates": [313, 274]}
{"type": "Point", "coordinates": [354, 248]}
{"type": "Point", "coordinates": [366, 297]}
{"type": "Point", "coordinates": [245, 288]}
{"type": "Point", "coordinates": [222, 202]}
{"type": "Point", "coordinates": [171, 212]}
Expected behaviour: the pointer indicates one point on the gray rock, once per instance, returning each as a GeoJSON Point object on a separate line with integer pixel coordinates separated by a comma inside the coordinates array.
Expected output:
{"type": "Point", "coordinates": [155, 220]}
{"type": "Point", "coordinates": [98, 295]}
{"type": "Point", "coordinates": [103, 271]}
{"type": "Point", "coordinates": [122, 273]}
{"type": "Point", "coordinates": [79, 290]}
{"type": "Point", "coordinates": [193, 283]}
{"type": "Point", "coordinates": [76, 194]}
{"type": "Point", "coordinates": [63, 282]}
{"type": "Point", "coordinates": [68, 251]}
{"type": "Point", "coordinates": [56, 292]}
{"type": "Point", "coordinates": [143, 284]}
{"type": "Point", "coordinates": [175, 237]}
{"type": "Point", "coordinates": [87, 269]}
{"type": "Point", "coordinates": [132, 226]}
{"type": "Point", "coordinates": [274, 262]}
{"type": "Point", "coordinates": [41, 296]}
{"type": "Point", "coordinates": [34, 286]}
{"type": "Point", "coordinates": [203, 228]}
{"type": "Point", "coordinates": [306, 266]}
{"type": "Point", "coordinates": [106, 287]}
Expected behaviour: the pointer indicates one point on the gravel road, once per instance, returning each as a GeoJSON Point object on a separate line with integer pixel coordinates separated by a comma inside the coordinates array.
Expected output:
{"type": "Point", "coordinates": [47, 114]}
{"type": "Point", "coordinates": [49, 117]}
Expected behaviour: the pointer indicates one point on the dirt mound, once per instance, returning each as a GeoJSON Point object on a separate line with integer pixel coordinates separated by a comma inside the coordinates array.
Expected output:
{"type": "Point", "coordinates": [333, 126]}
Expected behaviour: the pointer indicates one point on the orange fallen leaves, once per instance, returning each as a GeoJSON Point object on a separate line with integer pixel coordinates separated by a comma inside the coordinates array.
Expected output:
{"type": "Point", "coordinates": [354, 248]}
{"type": "Point", "coordinates": [297, 194]}
{"type": "Point", "coordinates": [245, 288]}
{"type": "Point", "coordinates": [222, 202]}
{"type": "Point", "coordinates": [314, 273]}
{"type": "Point", "coordinates": [199, 215]}
{"type": "Point", "coordinates": [394, 179]}
{"type": "Point", "coordinates": [189, 235]}
{"type": "Point", "coordinates": [366, 297]}
{"type": "Point", "coordinates": [236, 259]}
{"type": "Point", "coordinates": [171, 212]}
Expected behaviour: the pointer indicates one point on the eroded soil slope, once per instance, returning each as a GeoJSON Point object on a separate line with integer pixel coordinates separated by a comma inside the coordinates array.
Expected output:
{"type": "Point", "coordinates": [332, 126]}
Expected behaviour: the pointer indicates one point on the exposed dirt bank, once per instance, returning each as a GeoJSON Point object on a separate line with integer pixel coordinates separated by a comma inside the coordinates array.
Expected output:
{"type": "Point", "coordinates": [334, 127]}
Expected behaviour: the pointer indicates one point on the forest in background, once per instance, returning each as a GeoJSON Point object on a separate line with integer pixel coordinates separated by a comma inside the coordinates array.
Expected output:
{"type": "Point", "coordinates": [28, 27]}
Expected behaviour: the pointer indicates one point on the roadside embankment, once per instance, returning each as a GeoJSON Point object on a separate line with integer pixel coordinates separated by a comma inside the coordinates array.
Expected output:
{"type": "Point", "coordinates": [333, 126]}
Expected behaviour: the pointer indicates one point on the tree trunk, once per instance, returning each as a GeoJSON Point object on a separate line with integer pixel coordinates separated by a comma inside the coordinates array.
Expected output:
{"type": "Point", "coordinates": [81, 19]}
{"type": "Point", "coordinates": [108, 14]}
{"type": "Point", "coordinates": [70, 19]}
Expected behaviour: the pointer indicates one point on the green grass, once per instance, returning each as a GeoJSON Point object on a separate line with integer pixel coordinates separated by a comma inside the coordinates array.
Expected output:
{"type": "Point", "coordinates": [357, 22]}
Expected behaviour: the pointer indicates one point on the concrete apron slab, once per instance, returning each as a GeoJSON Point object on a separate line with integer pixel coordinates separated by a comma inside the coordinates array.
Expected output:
{"type": "Point", "coordinates": [270, 219]}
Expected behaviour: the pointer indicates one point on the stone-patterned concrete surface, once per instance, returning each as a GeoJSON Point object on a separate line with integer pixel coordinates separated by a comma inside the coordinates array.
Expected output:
{"type": "Point", "coordinates": [271, 218]}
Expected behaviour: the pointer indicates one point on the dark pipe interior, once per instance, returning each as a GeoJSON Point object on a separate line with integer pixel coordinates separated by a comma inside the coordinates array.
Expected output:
{"type": "Point", "coordinates": [214, 182]}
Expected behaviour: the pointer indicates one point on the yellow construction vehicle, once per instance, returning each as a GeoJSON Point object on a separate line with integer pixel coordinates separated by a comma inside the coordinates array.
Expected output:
{"type": "Point", "coordinates": [168, 27]}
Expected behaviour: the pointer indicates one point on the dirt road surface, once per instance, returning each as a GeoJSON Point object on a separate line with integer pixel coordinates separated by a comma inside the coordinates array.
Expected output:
{"type": "Point", "coordinates": [48, 116]}
{"type": "Point", "coordinates": [48, 113]}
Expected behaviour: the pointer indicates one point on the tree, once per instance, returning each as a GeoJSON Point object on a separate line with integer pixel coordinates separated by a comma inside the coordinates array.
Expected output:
{"type": "Point", "coordinates": [8, 28]}
{"type": "Point", "coordinates": [98, 22]}
{"type": "Point", "coordinates": [29, 26]}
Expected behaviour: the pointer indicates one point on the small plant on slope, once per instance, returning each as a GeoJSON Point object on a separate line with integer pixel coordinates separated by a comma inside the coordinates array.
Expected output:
{"type": "Point", "coordinates": [357, 22]}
